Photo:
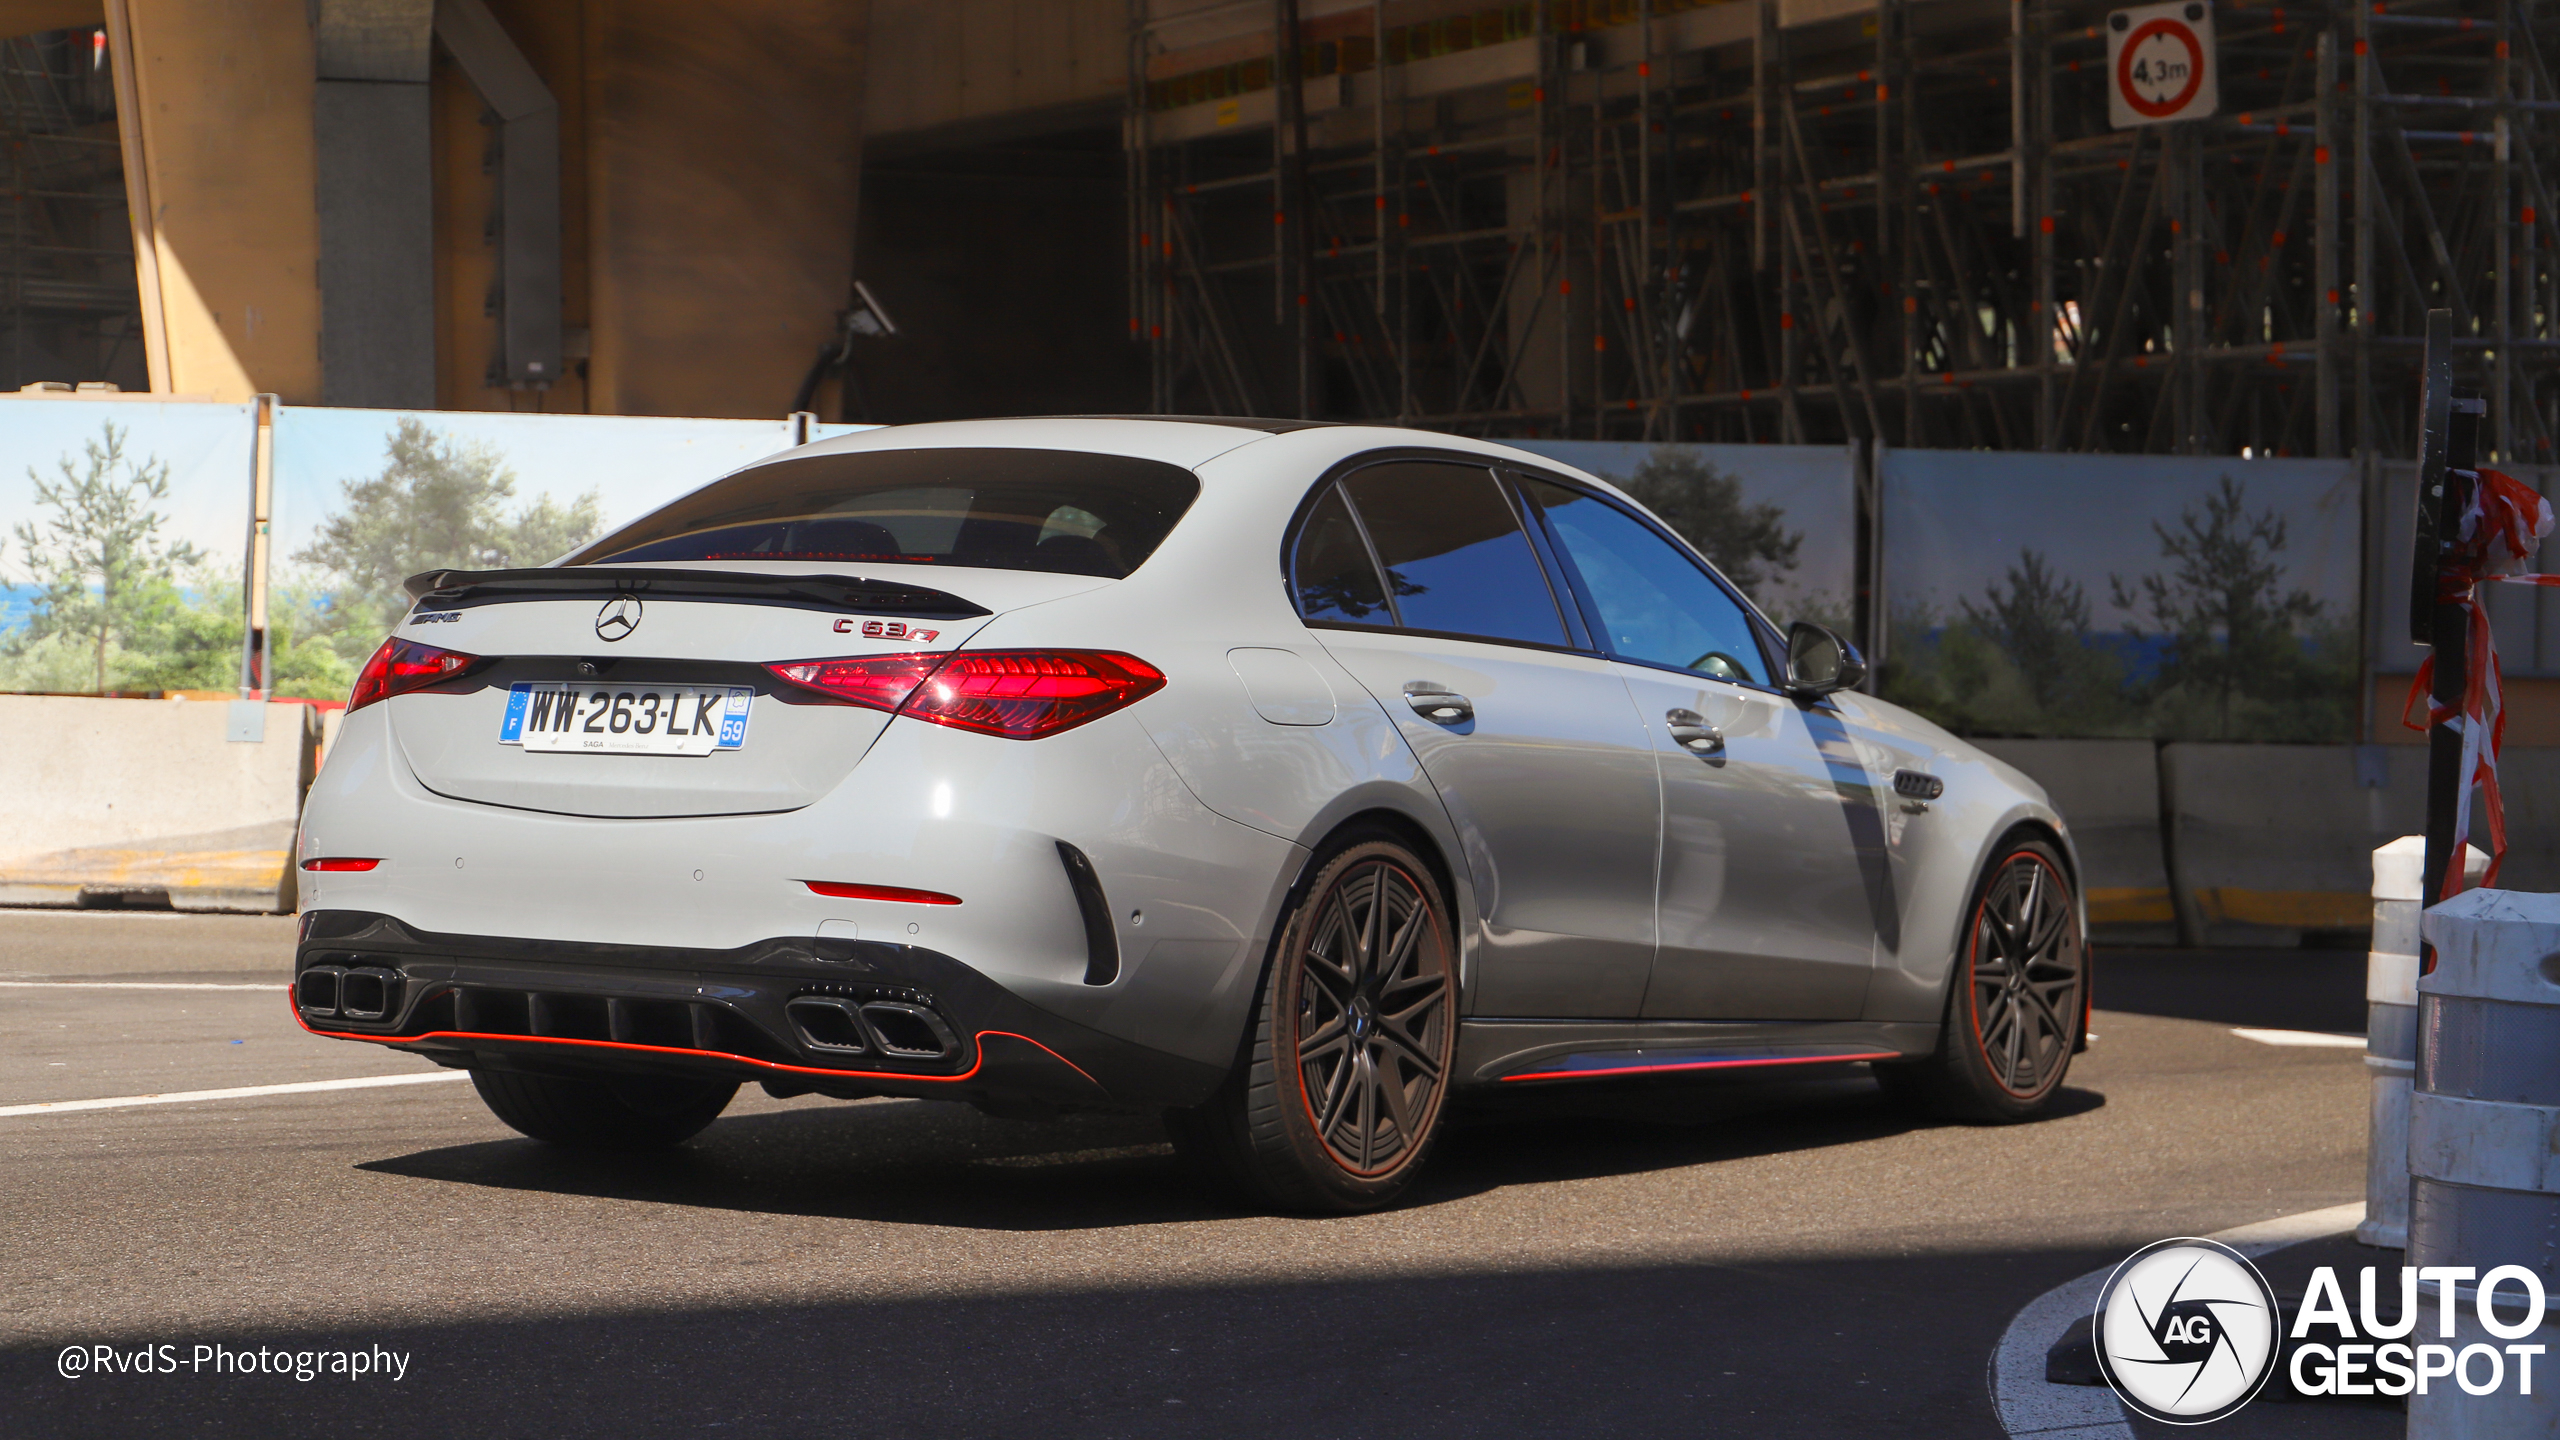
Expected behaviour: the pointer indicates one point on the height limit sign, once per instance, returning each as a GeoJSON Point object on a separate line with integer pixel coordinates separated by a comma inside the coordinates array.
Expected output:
{"type": "Point", "coordinates": [2160, 64]}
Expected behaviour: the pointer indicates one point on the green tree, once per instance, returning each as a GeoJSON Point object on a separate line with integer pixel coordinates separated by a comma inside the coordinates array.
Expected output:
{"type": "Point", "coordinates": [106, 573]}
{"type": "Point", "coordinates": [1750, 543]}
{"type": "Point", "coordinates": [2233, 630]}
{"type": "Point", "coordinates": [438, 503]}
{"type": "Point", "coordinates": [195, 645]}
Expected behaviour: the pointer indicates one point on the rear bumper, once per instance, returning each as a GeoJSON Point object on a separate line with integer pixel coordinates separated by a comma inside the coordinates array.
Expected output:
{"type": "Point", "coordinates": [840, 1017]}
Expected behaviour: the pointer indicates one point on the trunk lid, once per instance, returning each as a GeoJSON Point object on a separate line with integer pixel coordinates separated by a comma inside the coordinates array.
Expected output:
{"type": "Point", "coordinates": [592, 635]}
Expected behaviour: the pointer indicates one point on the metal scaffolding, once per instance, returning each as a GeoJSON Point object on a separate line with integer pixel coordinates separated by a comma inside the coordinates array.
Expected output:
{"type": "Point", "coordinates": [68, 310]}
{"type": "Point", "coordinates": [1897, 221]}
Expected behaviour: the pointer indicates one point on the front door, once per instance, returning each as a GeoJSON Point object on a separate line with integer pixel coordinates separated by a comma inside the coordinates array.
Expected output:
{"type": "Point", "coordinates": [1766, 911]}
{"type": "Point", "coordinates": [1417, 576]}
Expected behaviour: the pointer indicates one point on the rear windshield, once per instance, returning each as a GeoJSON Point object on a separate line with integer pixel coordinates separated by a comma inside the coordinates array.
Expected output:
{"type": "Point", "coordinates": [1063, 511]}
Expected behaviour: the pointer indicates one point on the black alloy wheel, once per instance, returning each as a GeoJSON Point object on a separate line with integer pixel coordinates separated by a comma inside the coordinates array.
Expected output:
{"type": "Point", "coordinates": [1372, 1016]}
{"type": "Point", "coordinates": [1336, 1104]}
{"type": "Point", "coordinates": [2023, 964]}
{"type": "Point", "coordinates": [2017, 999]}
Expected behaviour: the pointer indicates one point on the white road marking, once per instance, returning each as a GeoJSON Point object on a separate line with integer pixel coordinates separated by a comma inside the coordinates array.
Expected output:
{"type": "Point", "coordinates": [124, 985]}
{"type": "Point", "coordinates": [242, 1092]}
{"type": "Point", "coordinates": [2301, 1037]}
{"type": "Point", "coordinates": [2028, 1405]}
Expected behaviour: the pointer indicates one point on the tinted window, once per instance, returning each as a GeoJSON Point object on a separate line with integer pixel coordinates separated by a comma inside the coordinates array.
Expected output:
{"type": "Point", "coordinates": [1655, 604]}
{"type": "Point", "coordinates": [1454, 555]}
{"type": "Point", "coordinates": [1058, 510]}
{"type": "Point", "coordinates": [1332, 573]}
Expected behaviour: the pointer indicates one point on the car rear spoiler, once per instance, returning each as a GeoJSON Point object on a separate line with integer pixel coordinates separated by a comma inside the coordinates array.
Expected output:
{"type": "Point", "coordinates": [461, 589]}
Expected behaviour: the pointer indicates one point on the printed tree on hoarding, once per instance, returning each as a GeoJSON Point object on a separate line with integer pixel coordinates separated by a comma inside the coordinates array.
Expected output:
{"type": "Point", "coordinates": [2232, 629]}
{"type": "Point", "coordinates": [438, 503]}
{"type": "Point", "coordinates": [105, 573]}
{"type": "Point", "coordinates": [1750, 543]}
{"type": "Point", "coordinates": [2041, 621]}
{"type": "Point", "coordinates": [2222, 647]}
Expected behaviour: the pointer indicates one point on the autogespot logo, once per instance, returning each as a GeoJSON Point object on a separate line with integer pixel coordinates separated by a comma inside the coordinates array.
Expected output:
{"type": "Point", "coordinates": [2186, 1331]}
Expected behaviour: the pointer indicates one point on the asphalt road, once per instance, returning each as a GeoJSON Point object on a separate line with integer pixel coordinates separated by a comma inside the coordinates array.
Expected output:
{"type": "Point", "coordinates": [1717, 1258]}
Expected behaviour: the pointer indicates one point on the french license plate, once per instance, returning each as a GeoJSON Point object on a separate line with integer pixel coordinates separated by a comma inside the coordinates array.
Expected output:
{"type": "Point", "coordinates": [626, 719]}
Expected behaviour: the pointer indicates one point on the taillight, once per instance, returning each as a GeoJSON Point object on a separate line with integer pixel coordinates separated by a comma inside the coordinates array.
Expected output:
{"type": "Point", "coordinates": [339, 862]}
{"type": "Point", "coordinates": [1018, 694]}
{"type": "Point", "coordinates": [1025, 694]}
{"type": "Point", "coordinates": [875, 682]}
{"type": "Point", "coordinates": [404, 665]}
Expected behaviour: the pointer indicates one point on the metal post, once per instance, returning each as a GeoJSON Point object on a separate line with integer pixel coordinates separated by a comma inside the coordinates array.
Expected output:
{"type": "Point", "coordinates": [257, 652]}
{"type": "Point", "coordinates": [2444, 446]}
{"type": "Point", "coordinates": [1764, 60]}
{"type": "Point", "coordinates": [2368, 437]}
{"type": "Point", "coordinates": [1289, 91]}
{"type": "Point", "coordinates": [2502, 385]}
{"type": "Point", "coordinates": [2038, 178]}
{"type": "Point", "coordinates": [2324, 248]}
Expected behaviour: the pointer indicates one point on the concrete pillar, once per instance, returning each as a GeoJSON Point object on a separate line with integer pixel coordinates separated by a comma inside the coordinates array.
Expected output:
{"type": "Point", "coordinates": [221, 172]}
{"type": "Point", "coordinates": [723, 146]}
{"type": "Point", "coordinates": [375, 190]}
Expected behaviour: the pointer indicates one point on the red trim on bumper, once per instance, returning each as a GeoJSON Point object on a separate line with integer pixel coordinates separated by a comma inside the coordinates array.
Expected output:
{"type": "Point", "coordinates": [974, 1065]}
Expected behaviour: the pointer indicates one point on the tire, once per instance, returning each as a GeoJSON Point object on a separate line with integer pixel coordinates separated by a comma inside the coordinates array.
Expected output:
{"type": "Point", "coordinates": [630, 1114]}
{"type": "Point", "coordinates": [2009, 1028]}
{"type": "Point", "coordinates": [1334, 1106]}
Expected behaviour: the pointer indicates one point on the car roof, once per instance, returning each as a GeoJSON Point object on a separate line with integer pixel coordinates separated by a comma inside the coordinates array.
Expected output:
{"type": "Point", "coordinates": [1184, 440]}
{"type": "Point", "coordinates": [1189, 441]}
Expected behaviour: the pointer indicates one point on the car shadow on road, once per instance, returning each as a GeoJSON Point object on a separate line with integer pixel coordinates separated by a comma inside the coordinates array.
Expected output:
{"type": "Point", "coordinates": [939, 1163]}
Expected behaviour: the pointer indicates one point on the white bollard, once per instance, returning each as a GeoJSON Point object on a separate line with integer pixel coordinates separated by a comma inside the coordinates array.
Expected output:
{"type": "Point", "coordinates": [2484, 1143]}
{"type": "Point", "coordinates": [2391, 1031]}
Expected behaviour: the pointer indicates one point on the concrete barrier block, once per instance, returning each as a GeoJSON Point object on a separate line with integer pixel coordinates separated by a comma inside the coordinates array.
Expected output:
{"type": "Point", "coordinates": [2268, 841]}
{"type": "Point", "coordinates": [107, 797]}
{"type": "Point", "coordinates": [2529, 782]}
{"type": "Point", "coordinates": [2109, 794]}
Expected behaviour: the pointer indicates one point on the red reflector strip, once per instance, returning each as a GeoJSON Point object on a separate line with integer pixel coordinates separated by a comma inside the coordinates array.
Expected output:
{"type": "Point", "coordinates": [881, 892]}
{"type": "Point", "coordinates": [339, 863]}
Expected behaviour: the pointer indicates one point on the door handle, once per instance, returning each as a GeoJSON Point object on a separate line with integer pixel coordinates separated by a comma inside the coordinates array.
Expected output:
{"type": "Point", "coordinates": [1437, 703]}
{"type": "Point", "coordinates": [1691, 732]}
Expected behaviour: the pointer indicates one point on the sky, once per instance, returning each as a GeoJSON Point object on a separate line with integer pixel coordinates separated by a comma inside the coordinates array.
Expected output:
{"type": "Point", "coordinates": [634, 464]}
{"type": "Point", "coordinates": [1955, 521]}
{"type": "Point", "coordinates": [207, 448]}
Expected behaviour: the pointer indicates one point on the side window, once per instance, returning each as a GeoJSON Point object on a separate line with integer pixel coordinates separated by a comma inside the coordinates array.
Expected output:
{"type": "Point", "coordinates": [1454, 555]}
{"type": "Point", "coordinates": [1655, 604]}
{"type": "Point", "coordinates": [1330, 572]}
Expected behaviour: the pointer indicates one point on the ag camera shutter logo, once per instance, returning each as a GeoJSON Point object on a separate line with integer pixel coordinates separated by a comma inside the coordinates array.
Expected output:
{"type": "Point", "coordinates": [2186, 1331]}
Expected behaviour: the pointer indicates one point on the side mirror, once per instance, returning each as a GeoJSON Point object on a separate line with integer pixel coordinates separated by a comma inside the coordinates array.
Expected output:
{"type": "Point", "coordinates": [1819, 662]}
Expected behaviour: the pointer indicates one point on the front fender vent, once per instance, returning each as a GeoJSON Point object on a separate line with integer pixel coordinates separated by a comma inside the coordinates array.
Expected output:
{"type": "Point", "coordinates": [1101, 937]}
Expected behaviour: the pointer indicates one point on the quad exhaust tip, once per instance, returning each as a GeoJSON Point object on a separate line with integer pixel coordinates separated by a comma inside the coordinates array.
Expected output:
{"type": "Point", "coordinates": [347, 992]}
{"type": "Point", "coordinates": [835, 1025]}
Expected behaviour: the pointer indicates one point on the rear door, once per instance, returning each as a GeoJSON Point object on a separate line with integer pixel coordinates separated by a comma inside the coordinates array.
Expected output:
{"type": "Point", "coordinates": [1766, 910]}
{"type": "Point", "coordinates": [1418, 576]}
